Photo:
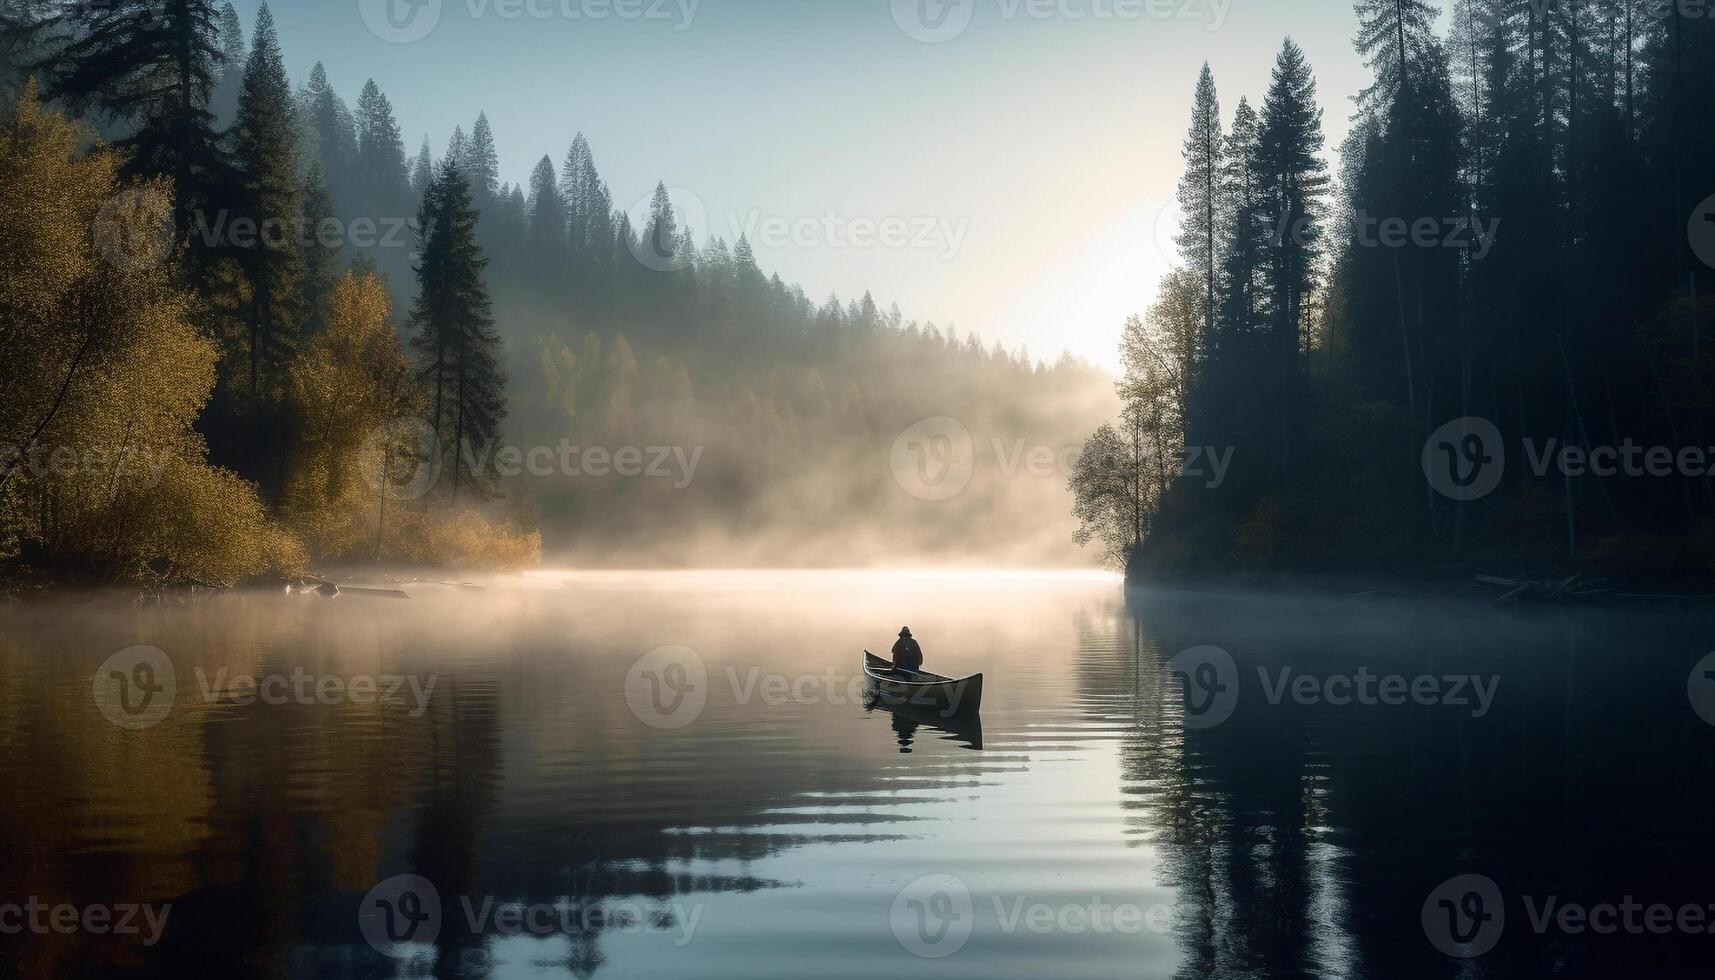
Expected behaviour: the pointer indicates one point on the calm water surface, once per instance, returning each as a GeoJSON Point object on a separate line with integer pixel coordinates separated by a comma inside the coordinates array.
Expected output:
{"type": "Point", "coordinates": [731, 807]}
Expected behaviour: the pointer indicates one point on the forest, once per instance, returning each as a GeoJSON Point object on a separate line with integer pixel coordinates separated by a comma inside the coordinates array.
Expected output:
{"type": "Point", "coordinates": [1519, 231]}
{"type": "Point", "coordinates": [250, 333]}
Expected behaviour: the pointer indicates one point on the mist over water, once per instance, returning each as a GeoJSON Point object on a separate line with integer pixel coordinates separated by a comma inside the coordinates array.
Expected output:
{"type": "Point", "coordinates": [754, 816]}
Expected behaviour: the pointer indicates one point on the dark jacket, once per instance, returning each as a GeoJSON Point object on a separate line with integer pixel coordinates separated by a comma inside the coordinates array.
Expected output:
{"type": "Point", "coordinates": [907, 654]}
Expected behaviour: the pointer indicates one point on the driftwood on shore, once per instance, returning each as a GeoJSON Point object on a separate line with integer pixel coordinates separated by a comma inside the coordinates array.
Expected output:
{"type": "Point", "coordinates": [1574, 588]}
{"type": "Point", "coordinates": [323, 587]}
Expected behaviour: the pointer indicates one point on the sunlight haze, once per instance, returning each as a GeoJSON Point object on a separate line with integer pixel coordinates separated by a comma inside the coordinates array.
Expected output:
{"type": "Point", "coordinates": [1053, 143]}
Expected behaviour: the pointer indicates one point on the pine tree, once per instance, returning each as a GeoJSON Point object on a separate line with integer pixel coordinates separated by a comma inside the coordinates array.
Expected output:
{"type": "Point", "coordinates": [1395, 36]}
{"type": "Point", "coordinates": [1246, 237]}
{"type": "Point", "coordinates": [264, 155]}
{"type": "Point", "coordinates": [458, 349]}
{"type": "Point", "coordinates": [660, 235]}
{"type": "Point", "coordinates": [589, 208]}
{"type": "Point", "coordinates": [458, 149]}
{"type": "Point", "coordinates": [321, 250]}
{"type": "Point", "coordinates": [1202, 197]}
{"type": "Point", "coordinates": [547, 220]}
{"type": "Point", "coordinates": [380, 149]}
{"type": "Point", "coordinates": [423, 170]}
{"type": "Point", "coordinates": [223, 104]}
{"type": "Point", "coordinates": [1294, 182]}
{"type": "Point", "coordinates": [482, 163]}
{"type": "Point", "coordinates": [152, 64]}
{"type": "Point", "coordinates": [333, 129]}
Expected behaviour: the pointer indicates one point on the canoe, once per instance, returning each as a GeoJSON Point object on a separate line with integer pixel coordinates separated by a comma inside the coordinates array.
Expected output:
{"type": "Point", "coordinates": [948, 695]}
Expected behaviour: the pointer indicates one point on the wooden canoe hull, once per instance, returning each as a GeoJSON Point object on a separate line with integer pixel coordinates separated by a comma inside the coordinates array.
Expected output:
{"type": "Point", "coordinates": [946, 695]}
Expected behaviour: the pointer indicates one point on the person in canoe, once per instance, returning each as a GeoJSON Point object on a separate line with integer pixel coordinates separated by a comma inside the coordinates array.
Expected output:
{"type": "Point", "coordinates": [907, 655]}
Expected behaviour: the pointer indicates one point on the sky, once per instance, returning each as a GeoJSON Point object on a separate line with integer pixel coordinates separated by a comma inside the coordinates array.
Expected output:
{"type": "Point", "coordinates": [1008, 166]}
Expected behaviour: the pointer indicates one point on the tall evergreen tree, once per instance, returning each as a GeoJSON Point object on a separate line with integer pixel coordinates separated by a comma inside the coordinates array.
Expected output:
{"type": "Point", "coordinates": [660, 235]}
{"type": "Point", "coordinates": [265, 157]}
{"type": "Point", "coordinates": [547, 221]}
{"type": "Point", "coordinates": [458, 149]}
{"type": "Point", "coordinates": [458, 349]}
{"type": "Point", "coordinates": [423, 170]}
{"type": "Point", "coordinates": [152, 64]}
{"type": "Point", "coordinates": [333, 128]}
{"type": "Point", "coordinates": [1395, 36]}
{"type": "Point", "coordinates": [224, 102]}
{"type": "Point", "coordinates": [1294, 182]}
{"type": "Point", "coordinates": [1246, 238]}
{"type": "Point", "coordinates": [380, 150]}
{"type": "Point", "coordinates": [482, 162]}
{"type": "Point", "coordinates": [1202, 199]}
{"type": "Point", "coordinates": [321, 250]}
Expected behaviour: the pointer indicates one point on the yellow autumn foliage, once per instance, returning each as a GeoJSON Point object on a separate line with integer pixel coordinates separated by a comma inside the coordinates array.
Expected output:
{"type": "Point", "coordinates": [349, 381]}
{"type": "Point", "coordinates": [101, 471]}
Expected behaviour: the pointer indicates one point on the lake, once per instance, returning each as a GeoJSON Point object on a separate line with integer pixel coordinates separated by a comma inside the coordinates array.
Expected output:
{"type": "Point", "coordinates": [679, 774]}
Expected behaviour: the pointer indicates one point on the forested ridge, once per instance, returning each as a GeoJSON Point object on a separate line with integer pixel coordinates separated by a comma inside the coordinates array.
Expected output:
{"type": "Point", "coordinates": [362, 344]}
{"type": "Point", "coordinates": [1514, 236]}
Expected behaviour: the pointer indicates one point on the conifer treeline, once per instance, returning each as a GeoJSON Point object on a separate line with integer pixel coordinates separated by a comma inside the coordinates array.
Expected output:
{"type": "Point", "coordinates": [1545, 161]}
{"type": "Point", "coordinates": [297, 215]}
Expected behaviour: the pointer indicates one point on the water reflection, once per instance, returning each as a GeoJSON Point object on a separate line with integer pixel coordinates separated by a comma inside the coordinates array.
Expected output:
{"type": "Point", "coordinates": [1295, 837]}
{"type": "Point", "coordinates": [965, 728]}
